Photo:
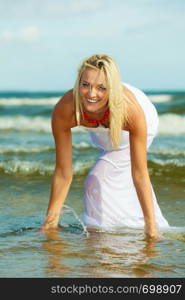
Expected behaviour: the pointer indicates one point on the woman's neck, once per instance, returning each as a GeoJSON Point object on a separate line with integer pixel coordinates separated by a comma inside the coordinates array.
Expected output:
{"type": "Point", "coordinates": [98, 114]}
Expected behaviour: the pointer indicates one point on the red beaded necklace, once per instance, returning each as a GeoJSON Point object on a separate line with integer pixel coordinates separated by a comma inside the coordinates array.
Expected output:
{"type": "Point", "coordinates": [105, 116]}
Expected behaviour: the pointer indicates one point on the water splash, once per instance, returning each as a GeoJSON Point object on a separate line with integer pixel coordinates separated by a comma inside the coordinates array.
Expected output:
{"type": "Point", "coordinates": [77, 218]}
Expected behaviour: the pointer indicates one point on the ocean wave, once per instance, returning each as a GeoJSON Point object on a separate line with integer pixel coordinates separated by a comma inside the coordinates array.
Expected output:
{"type": "Point", "coordinates": [20, 123]}
{"type": "Point", "coordinates": [81, 168]}
{"type": "Point", "coordinates": [24, 167]}
{"type": "Point", "coordinates": [170, 162]}
{"type": "Point", "coordinates": [168, 151]}
{"type": "Point", "coordinates": [19, 149]}
{"type": "Point", "coordinates": [5, 149]}
{"type": "Point", "coordinates": [169, 124]}
{"type": "Point", "coordinates": [53, 100]}
{"type": "Point", "coordinates": [34, 124]}
{"type": "Point", "coordinates": [28, 102]}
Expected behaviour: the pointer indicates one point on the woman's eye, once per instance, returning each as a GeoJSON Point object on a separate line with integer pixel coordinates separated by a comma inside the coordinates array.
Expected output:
{"type": "Point", "coordinates": [101, 88]}
{"type": "Point", "coordinates": [85, 84]}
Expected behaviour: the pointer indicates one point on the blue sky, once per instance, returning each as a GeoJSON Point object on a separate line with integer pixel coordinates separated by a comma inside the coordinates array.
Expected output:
{"type": "Point", "coordinates": [43, 42]}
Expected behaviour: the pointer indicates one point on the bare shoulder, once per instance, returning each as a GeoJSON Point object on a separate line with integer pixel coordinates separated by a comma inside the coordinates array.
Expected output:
{"type": "Point", "coordinates": [136, 116]}
{"type": "Point", "coordinates": [63, 112]}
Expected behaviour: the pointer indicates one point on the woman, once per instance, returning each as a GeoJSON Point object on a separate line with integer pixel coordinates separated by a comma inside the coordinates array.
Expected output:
{"type": "Point", "coordinates": [122, 123]}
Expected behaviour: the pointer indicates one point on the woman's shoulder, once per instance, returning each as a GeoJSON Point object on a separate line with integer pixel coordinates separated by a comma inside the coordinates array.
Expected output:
{"type": "Point", "coordinates": [65, 109]}
{"type": "Point", "coordinates": [66, 101]}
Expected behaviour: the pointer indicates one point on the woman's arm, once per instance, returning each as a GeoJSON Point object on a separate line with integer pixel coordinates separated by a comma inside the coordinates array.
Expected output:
{"type": "Point", "coordinates": [62, 176]}
{"type": "Point", "coordinates": [140, 175]}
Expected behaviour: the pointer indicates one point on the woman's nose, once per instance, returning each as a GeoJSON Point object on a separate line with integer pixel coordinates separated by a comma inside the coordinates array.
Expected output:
{"type": "Point", "coordinates": [92, 92]}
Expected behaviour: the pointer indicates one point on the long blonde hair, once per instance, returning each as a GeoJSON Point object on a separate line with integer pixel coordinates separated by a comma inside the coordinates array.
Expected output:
{"type": "Point", "coordinates": [117, 100]}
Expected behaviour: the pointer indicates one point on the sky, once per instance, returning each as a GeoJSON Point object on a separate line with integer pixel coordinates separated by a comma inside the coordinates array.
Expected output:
{"type": "Point", "coordinates": [42, 43]}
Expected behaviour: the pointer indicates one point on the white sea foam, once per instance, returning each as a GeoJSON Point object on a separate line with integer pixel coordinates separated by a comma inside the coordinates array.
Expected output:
{"type": "Point", "coordinates": [53, 100]}
{"type": "Point", "coordinates": [160, 98]}
{"type": "Point", "coordinates": [167, 162]}
{"type": "Point", "coordinates": [35, 124]}
{"type": "Point", "coordinates": [83, 145]}
{"type": "Point", "coordinates": [28, 101]}
{"type": "Point", "coordinates": [21, 123]}
{"type": "Point", "coordinates": [80, 167]}
{"type": "Point", "coordinates": [27, 148]}
{"type": "Point", "coordinates": [168, 150]}
{"type": "Point", "coordinates": [25, 167]}
{"type": "Point", "coordinates": [12, 148]}
{"type": "Point", "coordinates": [171, 124]}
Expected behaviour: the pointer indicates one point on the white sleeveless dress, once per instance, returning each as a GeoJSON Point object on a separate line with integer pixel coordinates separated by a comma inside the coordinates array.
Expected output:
{"type": "Point", "coordinates": [110, 198]}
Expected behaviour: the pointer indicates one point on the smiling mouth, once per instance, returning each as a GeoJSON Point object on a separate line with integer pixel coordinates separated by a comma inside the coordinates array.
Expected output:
{"type": "Point", "coordinates": [92, 101]}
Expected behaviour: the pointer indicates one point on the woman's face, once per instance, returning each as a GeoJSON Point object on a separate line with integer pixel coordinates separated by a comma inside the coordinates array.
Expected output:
{"type": "Point", "coordinates": [93, 91]}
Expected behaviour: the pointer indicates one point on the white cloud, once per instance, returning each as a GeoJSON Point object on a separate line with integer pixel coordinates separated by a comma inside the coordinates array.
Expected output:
{"type": "Point", "coordinates": [27, 34]}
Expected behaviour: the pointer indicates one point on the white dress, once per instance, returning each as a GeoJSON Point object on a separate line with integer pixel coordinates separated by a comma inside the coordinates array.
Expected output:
{"type": "Point", "coordinates": [110, 198]}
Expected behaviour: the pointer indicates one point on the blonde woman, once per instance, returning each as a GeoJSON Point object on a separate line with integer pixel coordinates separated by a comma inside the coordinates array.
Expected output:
{"type": "Point", "coordinates": [122, 123]}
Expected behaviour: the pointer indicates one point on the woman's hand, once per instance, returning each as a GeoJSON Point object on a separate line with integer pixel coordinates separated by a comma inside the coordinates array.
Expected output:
{"type": "Point", "coordinates": [50, 223]}
{"type": "Point", "coordinates": [47, 227]}
{"type": "Point", "coordinates": [151, 232]}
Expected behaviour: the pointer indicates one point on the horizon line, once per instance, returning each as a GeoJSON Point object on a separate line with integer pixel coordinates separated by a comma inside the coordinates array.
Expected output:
{"type": "Point", "coordinates": [163, 91]}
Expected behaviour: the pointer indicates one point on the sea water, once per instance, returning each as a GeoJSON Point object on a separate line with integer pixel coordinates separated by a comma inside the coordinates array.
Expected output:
{"type": "Point", "coordinates": [27, 159]}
